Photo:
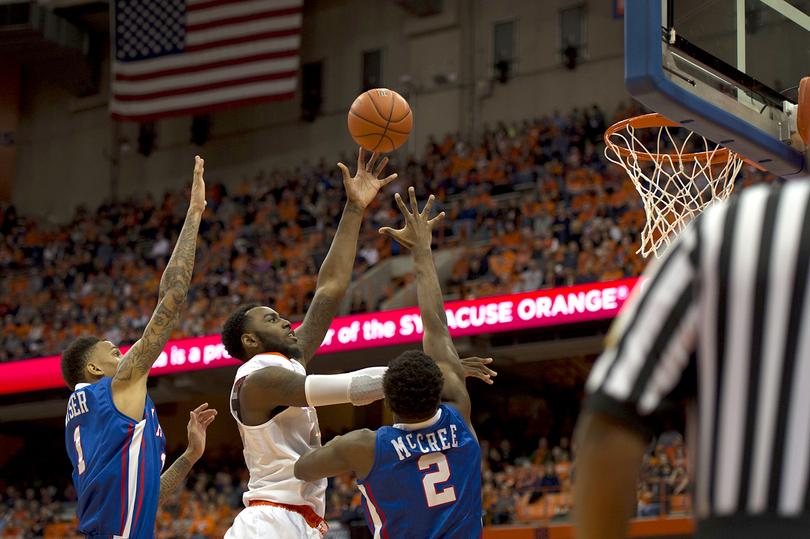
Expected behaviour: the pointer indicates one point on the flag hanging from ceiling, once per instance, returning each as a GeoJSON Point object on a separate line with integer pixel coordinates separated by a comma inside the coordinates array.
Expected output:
{"type": "Point", "coordinates": [192, 57]}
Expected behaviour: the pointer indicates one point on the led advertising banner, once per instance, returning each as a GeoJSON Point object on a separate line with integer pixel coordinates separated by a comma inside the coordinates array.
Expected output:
{"type": "Point", "coordinates": [493, 314]}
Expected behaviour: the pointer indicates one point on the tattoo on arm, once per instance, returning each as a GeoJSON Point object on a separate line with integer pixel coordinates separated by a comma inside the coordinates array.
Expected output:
{"type": "Point", "coordinates": [173, 289]}
{"type": "Point", "coordinates": [181, 264]}
{"type": "Point", "coordinates": [316, 323]}
{"type": "Point", "coordinates": [422, 254]}
{"type": "Point", "coordinates": [356, 210]}
{"type": "Point", "coordinates": [172, 477]}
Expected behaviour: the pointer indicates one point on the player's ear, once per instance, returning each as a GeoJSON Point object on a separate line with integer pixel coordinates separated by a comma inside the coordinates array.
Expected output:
{"type": "Point", "coordinates": [93, 370]}
{"type": "Point", "coordinates": [249, 340]}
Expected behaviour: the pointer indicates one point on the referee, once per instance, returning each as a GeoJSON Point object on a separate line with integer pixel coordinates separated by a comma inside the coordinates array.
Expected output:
{"type": "Point", "coordinates": [723, 320]}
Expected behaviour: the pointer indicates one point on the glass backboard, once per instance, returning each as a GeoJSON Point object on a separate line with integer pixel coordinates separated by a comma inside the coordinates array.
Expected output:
{"type": "Point", "coordinates": [728, 70]}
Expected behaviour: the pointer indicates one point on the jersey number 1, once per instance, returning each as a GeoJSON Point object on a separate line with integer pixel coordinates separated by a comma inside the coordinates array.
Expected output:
{"type": "Point", "coordinates": [431, 479]}
{"type": "Point", "coordinates": [77, 441]}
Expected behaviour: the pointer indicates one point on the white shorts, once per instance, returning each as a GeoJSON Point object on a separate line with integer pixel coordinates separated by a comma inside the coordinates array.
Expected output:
{"type": "Point", "coordinates": [265, 522]}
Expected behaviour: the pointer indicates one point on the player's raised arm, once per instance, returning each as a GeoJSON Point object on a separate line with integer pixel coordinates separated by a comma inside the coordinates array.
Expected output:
{"type": "Point", "coordinates": [418, 236]}
{"type": "Point", "coordinates": [129, 382]}
{"type": "Point", "coordinates": [336, 271]}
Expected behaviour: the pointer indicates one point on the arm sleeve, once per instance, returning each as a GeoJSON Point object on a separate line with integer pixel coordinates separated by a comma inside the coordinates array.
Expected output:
{"type": "Point", "coordinates": [650, 344]}
{"type": "Point", "coordinates": [359, 387]}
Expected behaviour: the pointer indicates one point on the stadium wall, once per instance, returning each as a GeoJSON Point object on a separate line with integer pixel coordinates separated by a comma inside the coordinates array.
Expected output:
{"type": "Point", "coordinates": [66, 144]}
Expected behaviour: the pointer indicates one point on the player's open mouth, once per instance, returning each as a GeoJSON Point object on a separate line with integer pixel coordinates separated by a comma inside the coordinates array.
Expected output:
{"type": "Point", "coordinates": [292, 336]}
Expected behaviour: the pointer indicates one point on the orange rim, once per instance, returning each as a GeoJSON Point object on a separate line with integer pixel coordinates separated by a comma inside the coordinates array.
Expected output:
{"type": "Point", "coordinates": [648, 121]}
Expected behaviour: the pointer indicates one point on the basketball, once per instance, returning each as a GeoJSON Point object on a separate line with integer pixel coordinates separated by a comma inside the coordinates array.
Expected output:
{"type": "Point", "coordinates": [380, 120]}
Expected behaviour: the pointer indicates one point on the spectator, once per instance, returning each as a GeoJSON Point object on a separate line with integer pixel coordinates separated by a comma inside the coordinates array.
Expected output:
{"type": "Point", "coordinates": [540, 454]}
{"type": "Point", "coordinates": [550, 482]}
{"type": "Point", "coordinates": [358, 302]}
{"type": "Point", "coordinates": [582, 221]}
{"type": "Point", "coordinates": [504, 506]}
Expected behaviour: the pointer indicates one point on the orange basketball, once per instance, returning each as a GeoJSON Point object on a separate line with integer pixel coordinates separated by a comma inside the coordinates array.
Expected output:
{"type": "Point", "coordinates": [380, 120]}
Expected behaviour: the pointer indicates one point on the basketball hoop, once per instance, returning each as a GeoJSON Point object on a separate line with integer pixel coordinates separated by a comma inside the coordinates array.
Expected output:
{"type": "Point", "coordinates": [675, 183]}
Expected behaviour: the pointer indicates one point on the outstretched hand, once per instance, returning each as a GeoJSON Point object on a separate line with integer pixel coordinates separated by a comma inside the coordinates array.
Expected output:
{"type": "Point", "coordinates": [198, 422]}
{"type": "Point", "coordinates": [418, 229]}
{"type": "Point", "coordinates": [363, 187]}
{"type": "Point", "coordinates": [477, 368]}
{"type": "Point", "coordinates": [197, 202]}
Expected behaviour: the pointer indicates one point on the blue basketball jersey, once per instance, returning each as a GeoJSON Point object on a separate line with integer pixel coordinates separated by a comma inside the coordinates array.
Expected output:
{"type": "Point", "coordinates": [116, 464]}
{"type": "Point", "coordinates": [425, 481]}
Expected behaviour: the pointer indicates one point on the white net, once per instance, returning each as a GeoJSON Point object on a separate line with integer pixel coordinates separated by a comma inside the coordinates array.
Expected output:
{"type": "Point", "coordinates": [677, 174]}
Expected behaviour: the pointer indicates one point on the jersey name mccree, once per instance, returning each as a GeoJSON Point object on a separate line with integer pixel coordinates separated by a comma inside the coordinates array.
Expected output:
{"type": "Point", "coordinates": [438, 440]}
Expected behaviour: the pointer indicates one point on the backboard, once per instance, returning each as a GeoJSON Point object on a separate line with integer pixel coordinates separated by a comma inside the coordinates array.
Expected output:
{"type": "Point", "coordinates": [728, 70]}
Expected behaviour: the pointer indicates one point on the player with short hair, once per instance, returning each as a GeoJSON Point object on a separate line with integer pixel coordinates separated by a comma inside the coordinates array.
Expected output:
{"type": "Point", "coordinates": [273, 399]}
{"type": "Point", "coordinates": [421, 477]}
{"type": "Point", "coordinates": [112, 433]}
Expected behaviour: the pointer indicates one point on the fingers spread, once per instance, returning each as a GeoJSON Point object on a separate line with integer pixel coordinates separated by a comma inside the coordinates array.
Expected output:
{"type": "Point", "coordinates": [401, 205]}
{"type": "Point", "coordinates": [361, 158]}
{"type": "Point", "coordinates": [414, 204]}
{"type": "Point", "coordinates": [345, 169]}
{"type": "Point", "coordinates": [388, 231]}
{"type": "Point", "coordinates": [428, 205]}
{"type": "Point", "coordinates": [437, 219]}
{"type": "Point", "coordinates": [371, 161]}
{"type": "Point", "coordinates": [200, 408]}
{"type": "Point", "coordinates": [381, 166]}
{"type": "Point", "coordinates": [388, 180]}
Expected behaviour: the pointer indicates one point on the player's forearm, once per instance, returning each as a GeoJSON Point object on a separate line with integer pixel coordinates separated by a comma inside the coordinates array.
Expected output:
{"type": "Point", "coordinates": [171, 478]}
{"type": "Point", "coordinates": [428, 290]}
{"type": "Point", "coordinates": [177, 274]}
{"type": "Point", "coordinates": [609, 460]}
{"type": "Point", "coordinates": [318, 463]}
{"type": "Point", "coordinates": [336, 271]}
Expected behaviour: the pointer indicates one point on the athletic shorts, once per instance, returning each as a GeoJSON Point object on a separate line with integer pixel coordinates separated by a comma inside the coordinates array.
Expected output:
{"type": "Point", "coordinates": [266, 521]}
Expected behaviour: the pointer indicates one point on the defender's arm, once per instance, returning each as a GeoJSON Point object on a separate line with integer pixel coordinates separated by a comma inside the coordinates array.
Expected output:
{"type": "Point", "coordinates": [352, 452]}
{"type": "Point", "coordinates": [129, 382]}
{"type": "Point", "coordinates": [197, 425]}
{"type": "Point", "coordinates": [417, 236]}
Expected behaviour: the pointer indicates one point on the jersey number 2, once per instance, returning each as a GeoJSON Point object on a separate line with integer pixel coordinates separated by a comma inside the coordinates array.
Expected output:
{"type": "Point", "coordinates": [431, 479]}
{"type": "Point", "coordinates": [77, 441]}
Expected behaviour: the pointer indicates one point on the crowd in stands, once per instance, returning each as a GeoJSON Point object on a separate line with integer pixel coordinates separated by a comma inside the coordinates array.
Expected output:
{"type": "Point", "coordinates": [530, 486]}
{"type": "Point", "coordinates": [532, 205]}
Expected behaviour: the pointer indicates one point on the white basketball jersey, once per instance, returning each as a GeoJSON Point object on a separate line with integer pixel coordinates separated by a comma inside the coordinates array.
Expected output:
{"type": "Point", "coordinates": [272, 448]}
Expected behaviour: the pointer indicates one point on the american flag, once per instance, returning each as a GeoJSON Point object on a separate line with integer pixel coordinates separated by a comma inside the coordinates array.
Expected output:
{"type": "Point", "coordinates": [192, 57]}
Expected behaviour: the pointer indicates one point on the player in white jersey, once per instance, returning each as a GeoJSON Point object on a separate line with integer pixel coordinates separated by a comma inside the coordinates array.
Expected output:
{"type": "Point", "coordinates": [273, 398]}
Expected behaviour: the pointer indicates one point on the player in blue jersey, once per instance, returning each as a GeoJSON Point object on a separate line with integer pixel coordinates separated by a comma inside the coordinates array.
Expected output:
{"type": "Point", "coordinates": [112, 432]}
{"type": "Point", "coordinates": [421, 477]}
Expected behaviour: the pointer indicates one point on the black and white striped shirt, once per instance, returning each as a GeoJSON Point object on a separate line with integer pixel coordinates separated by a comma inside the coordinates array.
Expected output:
{"type": "Point", "coordinates": [730, 300]}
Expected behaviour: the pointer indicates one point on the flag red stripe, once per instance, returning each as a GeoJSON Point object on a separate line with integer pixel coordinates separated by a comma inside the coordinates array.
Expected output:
{"type": "Point", "coordinates": [210, 4]}
{"type": "Point", "coordinates": [243, 18]}
{"type": "Point", "coordinates": [204, 67]}
{"type": "Point", "coordinates": [205, 87]}
{"type": "Point", "coordinates": [243, 39]}
{"type": "Point", "coordinates": [203, 109]}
